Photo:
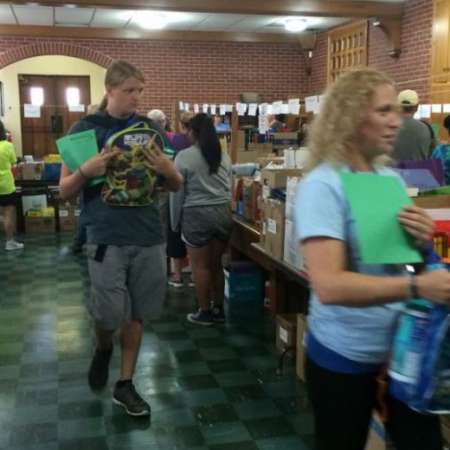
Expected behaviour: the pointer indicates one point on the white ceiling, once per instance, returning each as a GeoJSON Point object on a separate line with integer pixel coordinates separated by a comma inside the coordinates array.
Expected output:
{"type": "Point", "coordinates": [109, 18]}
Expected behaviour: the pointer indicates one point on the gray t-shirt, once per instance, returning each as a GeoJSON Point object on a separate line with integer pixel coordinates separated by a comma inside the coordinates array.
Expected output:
{"type": "Point", "coordinates": [413, 142]}
{"type": "Point", "coordinates": [200, 187]}
{"type": "Point", "coordinates": [116, 225]}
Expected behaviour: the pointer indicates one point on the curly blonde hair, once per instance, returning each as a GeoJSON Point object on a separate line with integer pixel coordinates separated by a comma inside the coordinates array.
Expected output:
{"type": "Point", "coordinates": [341, 115]}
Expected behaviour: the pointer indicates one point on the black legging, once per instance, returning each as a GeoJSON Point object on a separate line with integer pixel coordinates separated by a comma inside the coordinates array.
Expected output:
{"type": "Point", "coordinates": [343, 405]}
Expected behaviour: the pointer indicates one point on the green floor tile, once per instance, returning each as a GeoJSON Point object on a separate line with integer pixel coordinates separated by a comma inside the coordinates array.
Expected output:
{"type": "Point", "coordinates": [210, 388]}
{"type": "Point", "coordinates": [219, 413]}
{"type": "Point", "coordinates": [269, 427]}
{"type": "Point", "coordinates": [225, 433]}
{"type": "Point", "coordinates": [256, 409]}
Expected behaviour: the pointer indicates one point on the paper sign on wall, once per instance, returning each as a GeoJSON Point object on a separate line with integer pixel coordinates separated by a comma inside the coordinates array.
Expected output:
{"type": "Point", "coordinates": [269, 109]}
{"type": "Point", "coordinates": [446, 108]}
{"type": "Point", "coordinates": [425, 111]}
{"type": "Point", "coordinates": [181, 106]}
{"type": "Point", "coordinates": [294, 106]}
{"type": "Point", "coordinates": [284, 108]}
{"type": "Point", "coordinates": [311, 104]}
{"type": "Point", "coordinates": [205, 108]}
{"type": "Point", "coordinates": [186, 106]}
{"type": "Point", "coordinates": [252, 107]}
{"type": "Point", "coordinates": [229, 108]}
{"type": "Point", "coordinates": [241, 108]}
{"type": "Point", "coordinates": [31, 111]}
{"type": "Point", "coordinates": [196, 108]}
{"type": "Point", "coordinates": [276, 107]}
{"type": "Point", "coordinates": [77, 108]}
{"type": "Point", "coordinates": [223, 109]}
{"type": "Point", "coordinates": [213, 109]}
{"type": "Point", "coordinates": [436, 109]}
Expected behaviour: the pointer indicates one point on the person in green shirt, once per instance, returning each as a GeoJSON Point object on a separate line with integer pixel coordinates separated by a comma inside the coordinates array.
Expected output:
{"type": "Point", "coordinates": [8, 195]}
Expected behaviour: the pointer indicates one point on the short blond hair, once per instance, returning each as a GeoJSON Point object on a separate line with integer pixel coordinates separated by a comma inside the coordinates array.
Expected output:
{"type": "Point", "coordinates": [341, 115]}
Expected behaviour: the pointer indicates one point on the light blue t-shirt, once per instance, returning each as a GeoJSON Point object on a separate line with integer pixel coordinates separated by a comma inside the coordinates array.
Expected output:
{"type": "Point", "coordinates": [360, 334]}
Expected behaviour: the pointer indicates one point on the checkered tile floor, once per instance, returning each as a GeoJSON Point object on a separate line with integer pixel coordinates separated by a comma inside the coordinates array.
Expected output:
{"type": "Point", "coordinates": [213, 388]}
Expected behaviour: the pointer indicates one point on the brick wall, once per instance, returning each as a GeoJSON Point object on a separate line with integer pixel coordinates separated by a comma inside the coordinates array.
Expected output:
{"type": "Point", "coordinates": [197, 72]}
{"type": "Point", "coordinates": [217, 72]}
{"type": "Point", "coordinates": [411, 70]}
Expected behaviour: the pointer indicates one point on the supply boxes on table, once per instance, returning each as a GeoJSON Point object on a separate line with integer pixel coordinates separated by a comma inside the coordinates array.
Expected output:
{"type": "Point", "coordinates": [301, 347]}
{"type": "Point", "coordinates": [244, 290]}
{"type": "Point", "coordinates": [272, 236]}
{"type": "Point", "coordinates": [286, 332]}
{"type": "Point", "coordinates": [292, 253]}
{"type": "Point", "coordinates": [68, 216]}
{"type": "Point", "coordinates": [40, 221]}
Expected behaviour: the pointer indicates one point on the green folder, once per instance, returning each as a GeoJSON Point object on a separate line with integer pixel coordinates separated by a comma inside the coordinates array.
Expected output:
{"type": "Point", "coordinates": [375, 202]}
{"type": "Point", "coordinates": [77, 148]}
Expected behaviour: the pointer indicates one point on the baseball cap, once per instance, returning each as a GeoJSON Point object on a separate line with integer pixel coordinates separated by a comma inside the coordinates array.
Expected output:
{"type": "Point", "coordinates": [408, 97]}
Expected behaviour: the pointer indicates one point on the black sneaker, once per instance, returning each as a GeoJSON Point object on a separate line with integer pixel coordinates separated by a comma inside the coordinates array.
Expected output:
{"type": "Point", "coordinates": [218, 314]}
{"type": "Point", "coordinates": [99, 369]}
{"type": "Point", "coordinates": [125, 395]}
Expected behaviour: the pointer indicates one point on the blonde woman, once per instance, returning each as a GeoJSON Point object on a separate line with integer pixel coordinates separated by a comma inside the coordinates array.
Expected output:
{"type": "Point", "coordinates": [126, 256]}
{"type": "Point", "coordinates": [8, 196]}
{"type": "Point", "coordinates": [354, 306]}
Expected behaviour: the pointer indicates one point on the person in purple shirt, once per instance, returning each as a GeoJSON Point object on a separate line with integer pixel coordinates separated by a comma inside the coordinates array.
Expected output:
{"type": "Point", "coordinates": [176, 248]}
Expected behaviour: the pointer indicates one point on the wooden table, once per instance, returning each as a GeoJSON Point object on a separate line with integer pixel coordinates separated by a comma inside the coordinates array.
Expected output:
{"type": "Point", "coordinates": [245, 242]}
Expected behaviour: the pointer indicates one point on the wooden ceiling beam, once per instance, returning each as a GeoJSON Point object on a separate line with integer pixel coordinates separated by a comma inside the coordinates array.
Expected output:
{"type": "Point", "coordinates": [319, 8]}
{"type": "Point", "coordinates": [121, 33]}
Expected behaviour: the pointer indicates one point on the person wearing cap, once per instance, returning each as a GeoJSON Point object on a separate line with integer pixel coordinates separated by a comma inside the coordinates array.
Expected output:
{"type": "Point", "coordinates": [415, 140]}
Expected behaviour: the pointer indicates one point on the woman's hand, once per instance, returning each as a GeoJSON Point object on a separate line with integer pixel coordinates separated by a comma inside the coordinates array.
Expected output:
{"type": "Point", "coordinates": [417, 223]}
{"type": "Point", "coordinates": [97, 165]}
{"type": "Point", "coordinates": [435, 286]}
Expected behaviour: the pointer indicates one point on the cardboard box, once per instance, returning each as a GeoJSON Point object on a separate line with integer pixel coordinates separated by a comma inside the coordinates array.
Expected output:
{"type": "Point", "coordinates": [67, 219]}
{"type": "Point", "coordinates": [301, 350]}
{"type": "Point", "coordinates": [292, 254]}
{"type": "Point", "coordinates": [265, 160]}
{"type": "Point", "coordinates": [251, 190]}
{"type": "Point", "coordinates": [40, 224]}
{"type": "Point", "coordinates": [265, 148]}
{"type": "Point", "coordinates": [291, 194]}
{"type": "Point", "coordinates": [274, 228]}
{"type": "Point", "coordinates": [32, 170]}
{"type": "Point", "coordinates": [433, 201]}
{"type": "Point", "coordinates": [285, 140]}
{"type": "Point", "coordinates": [276, 178]}
{"type": "Point", "coordinates": [286, 331]}
{"type": "Point", "coordinates": [243, 157]}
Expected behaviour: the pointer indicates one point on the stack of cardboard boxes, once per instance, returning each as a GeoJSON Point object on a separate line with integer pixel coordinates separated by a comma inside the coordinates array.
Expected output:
{"type": "Point", "coordinates": [68, 215]}
{"type": "Point", "coordinates": [278, 231]}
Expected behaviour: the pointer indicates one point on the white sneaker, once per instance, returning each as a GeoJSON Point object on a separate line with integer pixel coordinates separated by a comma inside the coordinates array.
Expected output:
{"type": "Point", "coordinates": [13, 245]}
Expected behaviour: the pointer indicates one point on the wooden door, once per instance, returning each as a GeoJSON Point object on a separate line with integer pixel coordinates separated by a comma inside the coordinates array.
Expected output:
{"type": "Point", "coordinates": [440, 66]}
{"type": "Point", "coordinates": [55, 116]}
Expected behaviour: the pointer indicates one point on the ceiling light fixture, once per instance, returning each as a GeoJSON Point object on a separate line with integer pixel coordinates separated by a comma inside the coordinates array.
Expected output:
{"type": "Point", "coordinates": [151, 21]}
{"type": "Point", "coordinates": [295, 25]}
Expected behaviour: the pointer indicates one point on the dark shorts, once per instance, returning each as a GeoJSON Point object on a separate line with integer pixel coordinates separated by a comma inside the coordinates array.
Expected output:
{"type": "Point", "coordinates": [176, 248]}
{"type": "Point", "coordinates": [8, 199]}
{"type": "Point", "coordinates": [202, 224]}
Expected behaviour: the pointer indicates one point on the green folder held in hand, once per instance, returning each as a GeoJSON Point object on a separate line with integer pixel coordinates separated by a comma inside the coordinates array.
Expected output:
{"type": "Point", "coordinates": [375, 202]}
{"type": "Point", "coordinates": [77, 148]}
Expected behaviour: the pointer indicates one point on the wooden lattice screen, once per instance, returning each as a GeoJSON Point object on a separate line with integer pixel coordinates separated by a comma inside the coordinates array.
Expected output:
{"type": "Point", "coordinates": [347, 49]}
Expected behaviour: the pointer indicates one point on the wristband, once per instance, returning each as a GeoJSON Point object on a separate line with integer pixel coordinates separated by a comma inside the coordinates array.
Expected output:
{"type": "Point", "coordinates": [413, 289]}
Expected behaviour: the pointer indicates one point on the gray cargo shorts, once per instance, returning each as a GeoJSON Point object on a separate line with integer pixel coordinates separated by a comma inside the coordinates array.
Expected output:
{"type": "Point", "coordinates": [201, 224]}
{"type": "Point", "coordinates": [129, 284]}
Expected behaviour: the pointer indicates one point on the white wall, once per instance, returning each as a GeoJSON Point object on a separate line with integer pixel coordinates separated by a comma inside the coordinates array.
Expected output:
{"type": "Point", "coordinates": [43, 65]}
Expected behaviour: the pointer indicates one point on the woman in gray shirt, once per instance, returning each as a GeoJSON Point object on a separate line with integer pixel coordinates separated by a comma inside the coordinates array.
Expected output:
{"type": "Point", "coordinates": [202, 208]}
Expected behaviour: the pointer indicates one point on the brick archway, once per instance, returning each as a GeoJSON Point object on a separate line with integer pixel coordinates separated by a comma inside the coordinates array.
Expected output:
{"type": "Point", "coordinates": [53, 48]}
